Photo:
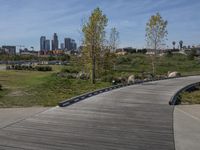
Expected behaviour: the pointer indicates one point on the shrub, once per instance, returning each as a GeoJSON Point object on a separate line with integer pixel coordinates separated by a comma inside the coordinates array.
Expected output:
{"type": "Point", "coordinates": [169, 54]}
{"type": "Point", "coordinates": [107, 78]}
{"type": "Point", "coordinates": [43, 68]}
{"type": "Point", "coordinates": [190, 57]}
{"type": "Point", "coordinates": [70, 70]}
{"type": "Point", "coordinates": [1, 87]}
{"type": "Point", "coordinates": [70, 76]}
{"type": "Point", "coordinates": [123, 59]}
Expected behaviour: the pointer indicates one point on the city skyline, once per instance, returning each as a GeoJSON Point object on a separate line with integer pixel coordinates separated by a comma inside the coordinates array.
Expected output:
{"type": "Point", "coordinates": [25, 21]}
{"type": "Point", "coordinates": [67, 43]}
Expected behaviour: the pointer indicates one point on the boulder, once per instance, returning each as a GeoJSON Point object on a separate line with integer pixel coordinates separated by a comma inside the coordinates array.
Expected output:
{"type": "Point", "coordinates": [174, 74]}
{"type": "Point", "coordinates": [131, 79]}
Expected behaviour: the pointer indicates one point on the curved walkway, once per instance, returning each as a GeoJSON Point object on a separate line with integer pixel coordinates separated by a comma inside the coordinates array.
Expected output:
{"type": "Point", "coordinates": [187, 127]}
{"type": "Point", "coordinates": [134, 117]}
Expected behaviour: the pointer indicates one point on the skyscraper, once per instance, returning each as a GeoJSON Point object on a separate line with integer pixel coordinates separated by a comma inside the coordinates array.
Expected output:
{"type": "Point", "coordinates": [62, 46]}
{"type": "Point", "coordinates": [67, 43]}
{"type": "Point", "coordinates": [47, 45]}
{"type": "Point", "coordinates": [55, 42]}
{"type": "Point", "coordinates": [42, 43]}
{"type": "Point", "coordinates": [73, 45]}
{"type": "Point", "coordinates": [70, 44]}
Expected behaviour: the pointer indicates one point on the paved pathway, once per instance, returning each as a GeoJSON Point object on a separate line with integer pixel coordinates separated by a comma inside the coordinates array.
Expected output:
{"type": "Point", "coordinates": [137, 117]}
{"type": "Point", "coordinates": [187, 127]}
{"type": "Point", "coordinates": [10, 116]}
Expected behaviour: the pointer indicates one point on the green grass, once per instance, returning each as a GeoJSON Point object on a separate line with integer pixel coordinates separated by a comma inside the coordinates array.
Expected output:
{"type": "Point", "coordinates": [137, 63]}
{"type": "Point", "coordinates": [32, 88]}
{"type": "Point", "coordinates": [190, 98]}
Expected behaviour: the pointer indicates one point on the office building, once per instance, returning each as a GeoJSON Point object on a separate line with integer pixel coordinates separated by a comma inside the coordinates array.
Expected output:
{"type": "Point", "coordinates": [42, 43]}
{"type": "Point", "coordinates": [11, 50]}
{"type": "Point", "coordinates": [55, 42]}
{"type": "Point", "coordinates": [62, 46]}
{"type": "Point", "coordinates": [70, 44]}
{"type": "Point", "coordinates": [47, 45]}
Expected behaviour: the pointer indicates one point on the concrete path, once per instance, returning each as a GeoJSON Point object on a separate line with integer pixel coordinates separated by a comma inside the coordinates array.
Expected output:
{"type": "Point", "coordinates": [9, 116]}
{"type": "Point", "coordinates": [187, 127]}
{"type": "Point", "coordinates": [137, 117]}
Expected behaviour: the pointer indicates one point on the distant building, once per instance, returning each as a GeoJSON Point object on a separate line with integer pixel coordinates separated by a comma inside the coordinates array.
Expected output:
{"type": "Point", "coordinates": [11, 50]}
{"type": "Point", "coordinates": [42, 43]}
{"type": "Point", "coordinates": [67, 43]}
{"type": "Point", "coordinates": [74, 46]}
{"type": "Point", "coordinates": [70, 44]}
{"type": "Point", "coordinates": [47, 45]}
{"type": "Point", "coordinates": [28, 52]}
{"type": "Point", "coordinates": [62, 46]}
{"type": "Point", "coordinates": [55, 42]}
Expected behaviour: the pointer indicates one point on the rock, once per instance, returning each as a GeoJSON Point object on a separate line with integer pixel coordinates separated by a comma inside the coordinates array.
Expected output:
{"type": "Point", "coordinates": [83, 75]}
{"type": "Point", "coordinates": [119, 80]}
{"type": "Point", "coordinates": [131, 79]}
{"type": "Point", "coordinates": [174, 74]}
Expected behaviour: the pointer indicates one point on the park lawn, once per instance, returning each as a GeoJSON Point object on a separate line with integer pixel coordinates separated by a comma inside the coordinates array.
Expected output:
{"type": "Point", "coordinates": [33, 88]}
{"type": "Point", "coordinates": [190, 97]}
{"type": "Point", "coordinates": [138, 63]}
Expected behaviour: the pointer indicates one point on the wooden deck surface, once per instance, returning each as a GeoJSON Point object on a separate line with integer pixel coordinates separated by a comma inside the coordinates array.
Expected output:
{"type": "Point", "coordinates": [137, 117]}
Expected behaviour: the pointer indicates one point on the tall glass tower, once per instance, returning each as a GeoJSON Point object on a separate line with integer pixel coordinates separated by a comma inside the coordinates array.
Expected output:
{"type": "Point", "coordinates": [42, 43]}
{"type": "Point", "coordinates": [55, 42]}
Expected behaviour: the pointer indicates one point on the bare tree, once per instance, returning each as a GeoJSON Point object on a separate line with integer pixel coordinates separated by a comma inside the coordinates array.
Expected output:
{"type": "Point", "coordinates": [114, 39]}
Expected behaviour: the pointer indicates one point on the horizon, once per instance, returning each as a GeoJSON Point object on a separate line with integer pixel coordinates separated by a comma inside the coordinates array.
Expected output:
{"type": "Point", "coordinates": [24, 22]}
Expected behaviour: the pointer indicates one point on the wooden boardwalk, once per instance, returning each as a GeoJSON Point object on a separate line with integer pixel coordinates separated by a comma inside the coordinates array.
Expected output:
{"type": "Point", "coordinates": [137, 117]}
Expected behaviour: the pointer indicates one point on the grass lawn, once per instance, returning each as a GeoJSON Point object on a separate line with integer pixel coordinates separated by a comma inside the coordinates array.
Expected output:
{"type": "Point", "coordinates": [190, 98]}
{"type": "Point", "coordinates": [137, 63]}
{"type": "Point", "coordinates": [33, 88]}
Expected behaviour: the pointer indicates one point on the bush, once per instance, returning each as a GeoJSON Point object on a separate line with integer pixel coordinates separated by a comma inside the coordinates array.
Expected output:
{"type": "Point", "coordinates": [1, 87]}
{"type": "Point", "coordinates": [43, 68]}
{"type": "Point", "coordinates": [123, 59]}
{"type": "Point", "coordinates": [70, 70]}
{"type": "Point", "coordinates": [137, 61]}
{"type": "Point", "coordinates": [169, 54]}
{"type": "Point", "coordinates": [107, 78]}
{"type": "Point", "coordinates": [190, 57]}
{"type": "Point", "coordinates": [71, 76]}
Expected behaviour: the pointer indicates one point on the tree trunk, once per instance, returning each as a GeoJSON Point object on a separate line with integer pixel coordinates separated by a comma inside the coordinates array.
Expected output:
{"type": "Point", "coordinates": [153, 64]}
{"type": "Point", "coordinates": [93, 69]}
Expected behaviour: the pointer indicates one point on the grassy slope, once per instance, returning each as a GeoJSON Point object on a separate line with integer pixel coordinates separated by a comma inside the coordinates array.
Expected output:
{"type": "Point", "coordinates": [190, 98]}
{"type": "Point", "coordinates": [138, 63]}
{"type": "Point", "coordinates": [25, 88]}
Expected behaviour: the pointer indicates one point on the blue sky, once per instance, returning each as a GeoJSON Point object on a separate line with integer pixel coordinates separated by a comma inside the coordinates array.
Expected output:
{"type": "Point", "coordinates": [22, 22]}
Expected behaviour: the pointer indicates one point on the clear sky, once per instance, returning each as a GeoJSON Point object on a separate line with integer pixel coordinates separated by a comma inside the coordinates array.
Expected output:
{"type": "Point", "coordinates": [22, 22]}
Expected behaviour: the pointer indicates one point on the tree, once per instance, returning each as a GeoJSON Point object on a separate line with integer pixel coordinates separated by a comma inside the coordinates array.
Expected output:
{"type": "Point", "coordinates": [173, 43]}
{"type": "Point", "coordinates": [156, 33]}
{"type": "Point", "coordinates": [93, 37]}
{"type": "Point", "coordinates": [181, 44]}
{"type": "Point", "coordinates": [114, 39]}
